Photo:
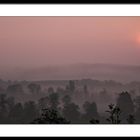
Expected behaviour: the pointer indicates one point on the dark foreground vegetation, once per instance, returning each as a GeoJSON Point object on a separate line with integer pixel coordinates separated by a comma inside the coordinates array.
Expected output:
{"type": "Point", "coordinates": [69, 102]}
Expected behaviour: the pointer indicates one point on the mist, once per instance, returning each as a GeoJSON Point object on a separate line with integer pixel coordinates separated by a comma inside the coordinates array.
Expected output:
{"type": "Point", "coordinates": [62, 70]}
{"type": "Point", "coordinates": [34, 43]}
{"type": "Point", "coordinates": [42, 41]}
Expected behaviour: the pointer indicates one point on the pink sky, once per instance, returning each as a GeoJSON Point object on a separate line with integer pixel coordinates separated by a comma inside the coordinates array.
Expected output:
{"type": "Point", "coordinates": [41, 41]}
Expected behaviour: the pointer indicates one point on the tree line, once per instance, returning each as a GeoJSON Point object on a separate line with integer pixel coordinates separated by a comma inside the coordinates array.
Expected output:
{"type": "Point", "coordinates": [60, 107]}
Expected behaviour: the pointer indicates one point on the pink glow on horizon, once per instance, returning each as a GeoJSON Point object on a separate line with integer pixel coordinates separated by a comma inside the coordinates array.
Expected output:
{"type": "Point", "coordinates": [40, 41]}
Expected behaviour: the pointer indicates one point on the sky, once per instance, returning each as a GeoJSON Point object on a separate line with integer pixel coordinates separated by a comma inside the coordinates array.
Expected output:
{"type": "Point", "coordinates": [43, 41]}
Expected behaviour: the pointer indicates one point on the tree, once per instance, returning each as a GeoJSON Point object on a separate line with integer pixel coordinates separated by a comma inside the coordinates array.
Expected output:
{"type": "Point", "coordinates": [85, 89]}
{"type": "Point", "coordinates": [43, 102]}
{"type": "Point", "coordinates": [60, 90]}
{"type": "Point", "coordinates": [66, 100]}
{"type": "Point", "coordinates": [54, 100]}
{"type": "Point", "coordinates": [3, 100]}
{"type": "Point", "coordinates": [70, 88]}
{"type": "Point", "coordinates": [16, 114]}
{"type": "Point", "coordinates": [131, 119]}
{"type": "Point", "coordinates": [6, 105]}
{"type": "Point", "coordinates": [125, 103]}
{"type": "Point", "coordinates": [50, 90]}
{"type": "Point", "coordinates": [10, 102]}
{"type": "Point", "coordinates": [2, 90]}
{"type": "Point", "coordinates": [104, 96]}
{"type": "Point", "coordinates": [137, 112]}
{"type": "Point", "coordinates": [114, 114]}
{"type": "Point", "coordinates": [50, 116]}
{"type": "Point", "coordinates": [30, 111]}
{"type": "Point", "coordinates": [90, 111]}
{"type": "Point", "coordinates": [34, 88]}
{"type": "Point", "coordinates": [86, 93]}
{"type": "Point", "coordinates": [71, 112]}
{"type": "Point", "coordinates": [3, 108]}
{"type": "Point", "coordinates": [94, 121]}
{"type": "Point", "coordinates": [72, 85]}
{"type": "Point", "coordinates": [15, 90]}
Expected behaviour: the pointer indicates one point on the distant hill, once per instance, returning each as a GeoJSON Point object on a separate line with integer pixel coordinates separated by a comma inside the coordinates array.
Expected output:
{"type": "Point", "coordinates": [123, 73]}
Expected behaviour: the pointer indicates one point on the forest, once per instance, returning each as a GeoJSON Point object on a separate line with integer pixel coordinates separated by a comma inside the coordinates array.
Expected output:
{"type": "Point", "coordinates": [84, 101]}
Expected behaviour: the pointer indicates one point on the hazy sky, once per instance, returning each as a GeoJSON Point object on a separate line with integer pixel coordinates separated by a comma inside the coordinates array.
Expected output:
{"type": "Point", "coordinates": [41, 41]}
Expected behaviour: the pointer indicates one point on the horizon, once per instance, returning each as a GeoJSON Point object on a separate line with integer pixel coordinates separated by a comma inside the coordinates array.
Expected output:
{"type": "Point", "coordinates": [32, 47]}
{"type": "Point", "coordinates": [70, 64]}
{"type": "Point", "coordinates": [76, 71]}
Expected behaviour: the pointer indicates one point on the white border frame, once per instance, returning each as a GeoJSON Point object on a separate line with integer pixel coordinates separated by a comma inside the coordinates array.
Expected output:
{"type": "Point", "coordinates": [70, 130]}
{"type": "Point", "coordinates": [69, 10]}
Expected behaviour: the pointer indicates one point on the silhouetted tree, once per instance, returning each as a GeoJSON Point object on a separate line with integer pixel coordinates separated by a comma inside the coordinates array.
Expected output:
{"type": "Point", "coordinates": [114, 114]}
{"type": "Point", "coordinates": [125, 103]}
{"type": "Point", "coordinates": [60, 91]}
{"type": "Point", "coordinates": [94, 121]}
{"type": "Point", "coordinates": [66, 100]}
{"type": "Point", "coordinates": [71, 112]}
{"type": "Point", "coordinates": [72, 85]}
{"type": "Point", "coordinates": [70, 88]}
{"type": "Point", "coordinates": [54, 100]}
{"type": "Point", "coordinates": [10, 102]}
{"type": "Point", "coordinates": [90, 111]}
{"type": "Point", "coordinates": [2, 90]}
{"type": "Point", "coordinates": [15, 90]}
{"type": "Point", "coordinates": [16, 114]}
{"type": "Point", "coordinates": [3, 100]}
{"type": "Point", "coordinates": [131, 119]}
{"type": "Point", "coordinates": [60, 105]}
{"type": "Point", "coordinates": [34, 88]}
{"type": "Point", "coordinates": [43, 102]}
{"type": "Point", "coordinates": [50, 116]}
{"type": "Point", "coordinates": [6, 104]}
{"type": "Point", "coordinates": [103, 96]}
{"type": "Point", "coordinates": [3, 108]}
{"type": "Point", "coordinates": [50, 90]}
{"type": "Point", "coordinates": [137, 113]}
{"type": "Point", "coordinates": [30, 111]}
{"type": "Point", "coordinates": [86, 92]}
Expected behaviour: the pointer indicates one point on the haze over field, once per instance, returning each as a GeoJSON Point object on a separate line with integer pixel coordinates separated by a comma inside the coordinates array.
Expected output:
{"type": "Point", "coordinates": [69, 70]}
{"type": "Point", "coordinates": [121, 73]}
{"type": "Point", "coordinates": [36, 47]}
